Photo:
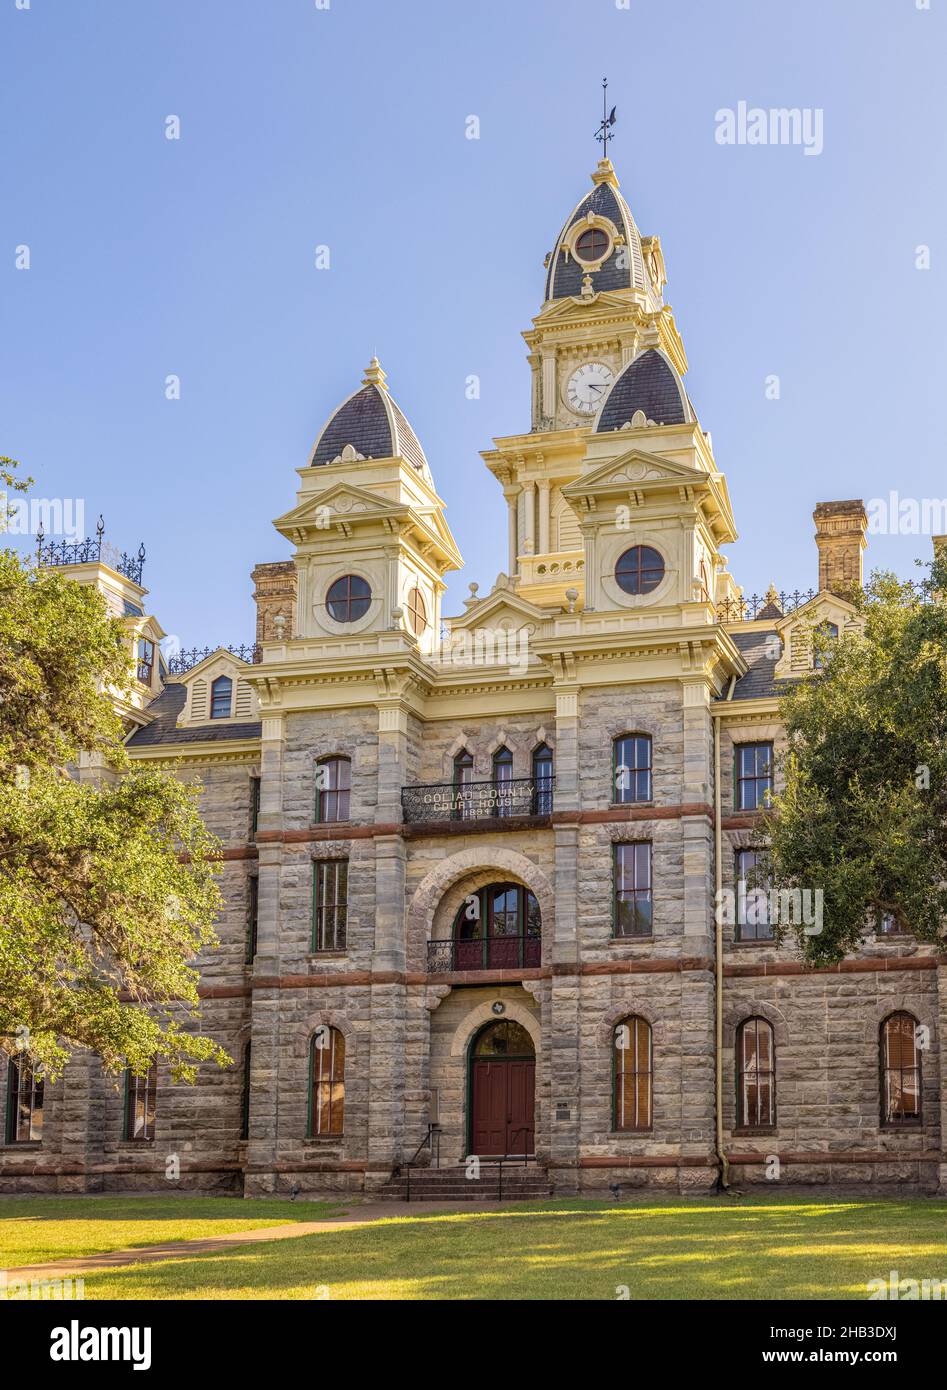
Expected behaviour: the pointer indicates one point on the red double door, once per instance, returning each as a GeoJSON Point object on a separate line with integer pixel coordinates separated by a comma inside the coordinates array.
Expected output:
{"type": "Point", "coordinates": [503, 1105]}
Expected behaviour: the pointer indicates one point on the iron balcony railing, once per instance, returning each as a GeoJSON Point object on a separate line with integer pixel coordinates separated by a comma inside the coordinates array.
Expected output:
{"type": "Point", "coordinates": [182, 661]}
{"type": "Point", "coordinates": [519, 796]}
{"type": "Point", "coordinates": [488, 953]}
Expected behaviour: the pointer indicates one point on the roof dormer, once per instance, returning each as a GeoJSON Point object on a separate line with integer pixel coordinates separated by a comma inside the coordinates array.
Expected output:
{"type": "Point", "coordinates": [217, 692]}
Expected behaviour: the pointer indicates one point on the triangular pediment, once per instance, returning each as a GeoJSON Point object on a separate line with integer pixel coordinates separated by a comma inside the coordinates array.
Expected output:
{"type": "Point", "coordinates": [797, 630]}
{"type": "Point", "coordinates": [343, 502]}
{"type": "Point", "coordinates": [603, 305]}
{"type": "Point", "coordinates": [633, 470]}
{"type": "Point", "coordinates": [504, 608]}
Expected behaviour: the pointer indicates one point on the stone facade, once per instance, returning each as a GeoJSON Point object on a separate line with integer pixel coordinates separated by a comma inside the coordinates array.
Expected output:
{"type": "Point", "coordinates": [564, 655]}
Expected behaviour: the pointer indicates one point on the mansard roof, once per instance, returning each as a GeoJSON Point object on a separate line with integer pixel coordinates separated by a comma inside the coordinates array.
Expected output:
{"type": "Point", "coordinates": [368, 425]}
{"type": "Point", "coordinates": [649, 384]}
{"type": "Point", "coordinates": [165, 710]}
{"type": "Point", "coordinates": [625, 267]}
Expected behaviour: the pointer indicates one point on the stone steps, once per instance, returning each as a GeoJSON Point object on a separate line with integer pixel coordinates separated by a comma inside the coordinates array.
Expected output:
{"type": "Point", "coordinates": [451, 1185]}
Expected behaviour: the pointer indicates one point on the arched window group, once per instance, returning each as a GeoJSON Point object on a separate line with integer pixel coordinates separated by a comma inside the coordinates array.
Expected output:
{"type": "Point", "coordinates": [503, 795]}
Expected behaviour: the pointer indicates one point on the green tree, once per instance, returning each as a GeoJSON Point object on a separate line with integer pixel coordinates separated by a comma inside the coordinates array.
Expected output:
{"type": "Point", "coordinates": [107, 888]}
{"type": "Point", "coordinates": [863, 815]}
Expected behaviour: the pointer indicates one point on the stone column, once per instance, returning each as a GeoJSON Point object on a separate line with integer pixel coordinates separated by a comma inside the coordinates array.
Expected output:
{"type": "Point", "coordinates": [698, 1080]}
{"type": "Point", "coordinates": [529, 517]}
{"type": "Point", "coordinates": [265, 1003]}
{"type": "Point", "coordinates": [549, 384]}
{"type": "Point", "coordinates": [544, 516]}
{"type": "Point", "coordinates": [511, 495]}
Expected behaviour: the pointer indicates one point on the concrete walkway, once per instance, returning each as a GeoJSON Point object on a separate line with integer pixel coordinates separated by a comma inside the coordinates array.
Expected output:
{"type": "Point", "coordinates": [147, 1254]}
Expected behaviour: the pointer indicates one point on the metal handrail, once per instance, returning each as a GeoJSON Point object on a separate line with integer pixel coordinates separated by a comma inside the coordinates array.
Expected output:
{"type": "Point", "coordinates": [433, 1132]}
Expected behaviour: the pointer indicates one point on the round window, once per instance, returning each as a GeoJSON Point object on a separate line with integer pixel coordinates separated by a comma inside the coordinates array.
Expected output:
{"type": "Point", "coordinates": [592, 244]}
{"type": "Point", "coordinates": [348, 598]}
{"type": "Point", "coordinates": [639, 570]}
{"type": "Point", "coordinates": [417, 612]}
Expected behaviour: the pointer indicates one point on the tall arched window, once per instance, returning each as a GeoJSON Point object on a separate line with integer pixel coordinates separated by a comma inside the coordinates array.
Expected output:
{"type": "Point", "coordinates": [542, 780]}
{"type": "Point", "coordinates": [631, 768]}
{"type": "Point", "coordinates": [326, 1081]}
{"type": "Point", "coordinates": [463, 777]}
{"type": "Point", "coordinates": [633, 1068]}
{"type": "Point", "coordinates": [221, 698]}
{"type": "Point", "coordinates": [502, 779]}
{"type": "Point", "coordinates": [900, 1071]}
{"type": "Point", "coordinates": [756, 1075]}
{"type": "Point", "coordinates": [498, 927]}
{"type": "Point", "coordinates": [24, 1102]}
{"type": "Point", "coordinates": [141, 1094]}
{"type": "Point", "coordinates": [333, 784]}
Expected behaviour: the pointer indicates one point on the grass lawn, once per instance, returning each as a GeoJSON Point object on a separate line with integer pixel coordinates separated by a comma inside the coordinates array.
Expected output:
{"type": "Point", "coordinates": [36, 1229]}
{"type": "Point", "coordinates": [698, 1248]}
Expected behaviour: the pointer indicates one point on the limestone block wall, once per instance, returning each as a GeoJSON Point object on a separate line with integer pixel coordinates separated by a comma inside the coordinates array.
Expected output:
{"type": "Point", "coordinates": [828, 1098]}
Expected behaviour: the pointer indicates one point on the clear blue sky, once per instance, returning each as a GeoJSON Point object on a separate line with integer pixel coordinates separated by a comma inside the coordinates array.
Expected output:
{"type": "Point", "coordinates": [346, 127]}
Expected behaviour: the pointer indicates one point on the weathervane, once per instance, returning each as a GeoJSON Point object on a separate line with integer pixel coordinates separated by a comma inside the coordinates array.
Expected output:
{"type": "Point", "coordinates": [604, 132]}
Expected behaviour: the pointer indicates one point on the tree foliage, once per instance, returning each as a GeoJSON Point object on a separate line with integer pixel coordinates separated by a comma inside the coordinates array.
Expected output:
{"type": "Point", "coordinates": [107, 883]}
{"type": "Point", "coordinates": [863, 815]}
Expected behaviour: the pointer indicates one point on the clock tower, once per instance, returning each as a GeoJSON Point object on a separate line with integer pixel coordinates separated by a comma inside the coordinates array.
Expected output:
{"type": "Point", "coordinates": [603, 311]}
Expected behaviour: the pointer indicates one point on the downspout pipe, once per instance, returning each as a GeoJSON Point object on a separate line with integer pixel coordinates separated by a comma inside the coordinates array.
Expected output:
{"type": "Point", "coordinates": [724, 1170]}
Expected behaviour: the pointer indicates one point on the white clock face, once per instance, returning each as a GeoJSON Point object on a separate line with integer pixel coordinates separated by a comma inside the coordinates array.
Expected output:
{"type": "Point", "coordinates": [588, 386]}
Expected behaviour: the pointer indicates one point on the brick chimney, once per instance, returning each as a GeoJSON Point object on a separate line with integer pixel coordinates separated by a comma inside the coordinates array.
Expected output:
{"type": "Point", "coordinates": [275, 596]}
{"type": "Point", "coordinates": [840, 534]}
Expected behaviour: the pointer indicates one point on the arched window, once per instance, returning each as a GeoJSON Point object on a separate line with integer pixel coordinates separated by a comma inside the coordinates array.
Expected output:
{"type": "Point", "coordinates": [326, 1081]}
{"type": "Point", "coordinates": [24, 1102]}
{"type": "Point", "coordinates": [221, 698]}
{"type": "Point", "coordinates": [631, 768]}
{"type": "Point", "coordinates": [141, 1094]}
{"type": "Point", "coordinates": [333, 784]}
{"type": "Point", "coordinates": [463, 777]}
{"type": "Point", "coordinates": [756, 1075]}
{"type": "Point", "coordinates": [245, 1095]}
{"type": "Point", "coordinates": [633, 1074]}
{"type": "Point", "coordinates": [542, 780]}
{"type": "Point", "coordinates": [900, 1071]}
{"type": "Point", "coordinates": [348, 598]}
{"type": "Point", "coordinates": [639, 570]}
{"type": "Point", "coordinates": [498, 927]}
{"type": "Point", "coordinates": [502, 779]}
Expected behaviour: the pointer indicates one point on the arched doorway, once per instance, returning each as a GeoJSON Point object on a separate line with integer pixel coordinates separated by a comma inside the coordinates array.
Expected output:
{"type": "Point", "coordinates": [502, 1090]}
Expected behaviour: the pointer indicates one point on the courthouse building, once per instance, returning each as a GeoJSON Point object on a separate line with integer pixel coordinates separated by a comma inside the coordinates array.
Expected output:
{"type": "Point", "coordinates": [471, 863]}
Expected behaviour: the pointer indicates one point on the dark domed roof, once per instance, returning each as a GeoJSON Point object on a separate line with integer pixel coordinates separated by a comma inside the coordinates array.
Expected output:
{"type": "Point", "coordinates": [625, 267]}
{"type": "Point", "coordinates": [370, 425]}
{"type": "Point", "coordinates": [649, 384]}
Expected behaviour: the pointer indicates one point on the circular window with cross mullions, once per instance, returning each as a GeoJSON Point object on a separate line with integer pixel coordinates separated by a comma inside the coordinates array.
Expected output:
{"type": "Point", "coordinates": [639, 570]}
{"type": "Point", "coordinates": [591, 245]}
{"type": "Point", "coordinates": [348, 598]}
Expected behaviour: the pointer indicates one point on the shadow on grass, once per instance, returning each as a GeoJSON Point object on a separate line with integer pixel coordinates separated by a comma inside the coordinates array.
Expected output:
{"type": "Point", "coordinates": [573, 1250]}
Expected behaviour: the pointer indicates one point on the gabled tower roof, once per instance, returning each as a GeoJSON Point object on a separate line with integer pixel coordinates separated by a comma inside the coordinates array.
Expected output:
{"type": "Point", "coordinates": [370, 424]}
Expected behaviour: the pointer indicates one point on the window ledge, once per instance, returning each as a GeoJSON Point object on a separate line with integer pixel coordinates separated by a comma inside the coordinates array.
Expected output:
{"type": "Point", "coordinates": [326, 955]}
{"type": "Point", "coordinates": [136, 1143]}
{"type": "Point", "coordinates": [901, 1127]}
{"type": "Point", "coordinates": [754, 941]}
{"type": "Point", "coordinates": [616, 805]}
{"type": "Point", "coordinates": [631, 1133]}
{"type": "Point", "coordinates": [755, 1133]}
{"type": "Point", "coordinates": [17, 1145]}
{"type": "Point", "coordinates": [631, 940]}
